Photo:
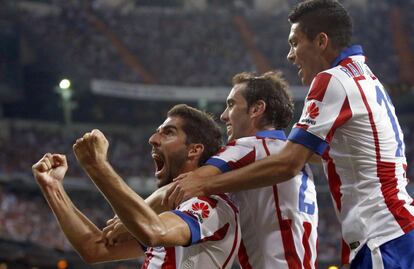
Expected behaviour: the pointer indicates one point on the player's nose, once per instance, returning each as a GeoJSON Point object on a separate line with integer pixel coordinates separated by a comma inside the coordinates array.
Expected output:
{"type": "Point", "coordinates": [291, 55]}
{"type": "Point", "coordinates": [224, 117]}
{"type": "Point", "coordinates": [154, 140]}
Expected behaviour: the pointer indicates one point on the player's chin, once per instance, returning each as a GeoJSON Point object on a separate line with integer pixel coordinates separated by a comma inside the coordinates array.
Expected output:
{"type": "Point", "coordinates": [161, 181]}
{"type": "Point", "coordinates": [229, 135]}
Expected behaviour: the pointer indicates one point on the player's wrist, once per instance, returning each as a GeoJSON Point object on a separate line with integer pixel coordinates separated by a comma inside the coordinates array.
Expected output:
{"type": "Point", "coordinates": [98, 170]}
{"type": "Point", "coordinates": [96, 165]}
{"type": "Point", "coordinates": [48, 185]}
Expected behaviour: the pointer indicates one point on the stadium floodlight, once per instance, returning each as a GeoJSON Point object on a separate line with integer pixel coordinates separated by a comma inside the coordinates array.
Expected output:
{"type": "Point", "coordinates": [64, 84]}
{"type": "Point", "coordinates": [65, 92]}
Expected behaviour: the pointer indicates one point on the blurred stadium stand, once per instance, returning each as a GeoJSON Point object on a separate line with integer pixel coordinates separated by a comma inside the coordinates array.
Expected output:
{"type": "Point", "coordinates": [141, 50]}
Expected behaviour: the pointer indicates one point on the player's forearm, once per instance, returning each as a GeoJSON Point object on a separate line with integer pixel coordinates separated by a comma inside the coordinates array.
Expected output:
{"type": "Point", "coordinates": [84, 236]}
{"type": "Point", "coordinates": [262, 173]}
{"type": "Point", "coordinates": [141, 221]}
{"type": "Point", "coordinates": [80, 232]}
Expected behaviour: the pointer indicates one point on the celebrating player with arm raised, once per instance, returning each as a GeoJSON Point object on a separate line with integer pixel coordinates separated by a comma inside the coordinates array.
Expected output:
{"type": "Point", "coordinates": [201, 232]}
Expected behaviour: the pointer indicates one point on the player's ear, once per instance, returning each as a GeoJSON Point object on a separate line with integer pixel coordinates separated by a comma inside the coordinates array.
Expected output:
{"type": "Point", "coordinates": [322, 40]}
{"type": "Point", "coordinates": [195, 151]}
{"type": "Point", "coordinates": [258, 108]}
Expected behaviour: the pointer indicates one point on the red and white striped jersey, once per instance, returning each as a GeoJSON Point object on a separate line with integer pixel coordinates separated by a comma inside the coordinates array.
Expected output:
{"type": "Point", "coordinates": [279, 223]}
{"type": "Point", "coordinates": [215, 236]}
{"type": "Point", "coordinates": [348, 119]}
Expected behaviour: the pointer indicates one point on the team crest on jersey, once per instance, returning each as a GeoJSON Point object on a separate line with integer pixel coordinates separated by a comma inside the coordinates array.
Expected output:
{"type": "Point", "coordinates": [201, 210]}
{"type": "Point", "coordinates": [311, 113]}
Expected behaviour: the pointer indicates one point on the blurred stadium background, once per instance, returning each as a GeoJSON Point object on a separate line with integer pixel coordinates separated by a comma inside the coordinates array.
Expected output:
{"type": "Point", "coordinates": [128, 62]}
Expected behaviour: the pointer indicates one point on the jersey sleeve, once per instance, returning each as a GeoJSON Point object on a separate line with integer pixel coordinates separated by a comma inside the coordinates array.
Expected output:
{"type": "Point", "coordinates": [326, 108]}
{"type": "Point", "coordinates": [234, 155]}
{"type": "Point", "coordinates": [208, 218]}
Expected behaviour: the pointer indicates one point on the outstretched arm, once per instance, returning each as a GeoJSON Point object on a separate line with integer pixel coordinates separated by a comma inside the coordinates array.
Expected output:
{"type": "Point", "coordinates": [271, 170]}
{"type": "Point", "coordinates": [266, 172]}
{"type": "Point", "coordinates": [142, 222]}
{"type": "Point", "coordinates": [84, 236]}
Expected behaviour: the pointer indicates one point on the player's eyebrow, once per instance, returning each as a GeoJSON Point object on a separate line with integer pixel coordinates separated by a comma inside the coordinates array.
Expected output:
{"type": "Point", "coordinates": [166, 127]}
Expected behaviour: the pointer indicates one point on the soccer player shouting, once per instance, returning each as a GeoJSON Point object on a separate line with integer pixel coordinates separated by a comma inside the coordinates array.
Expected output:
{"type": "Point", "coordinates": [202, 232]}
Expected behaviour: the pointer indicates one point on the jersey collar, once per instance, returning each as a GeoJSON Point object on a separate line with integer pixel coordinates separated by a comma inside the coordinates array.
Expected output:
{"type": "Point", "coordinates": [350, 51]}
{"type": "Point", "coordinates": [274, 134]}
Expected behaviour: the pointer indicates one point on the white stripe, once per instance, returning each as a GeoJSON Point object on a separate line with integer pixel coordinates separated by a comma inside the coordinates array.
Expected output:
{"type": "Point", "coordinates": [377, 259]}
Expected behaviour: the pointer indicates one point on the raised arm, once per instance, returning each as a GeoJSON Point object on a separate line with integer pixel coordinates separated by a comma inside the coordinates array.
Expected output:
{"type": "Point", "coordinates": [84, 236]}
{"type": "Point", "coordinates": [151, 229]}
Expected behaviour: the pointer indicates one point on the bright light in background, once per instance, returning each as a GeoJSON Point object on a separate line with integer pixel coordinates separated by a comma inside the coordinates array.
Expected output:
{"type": "Point", "coordinates": [62, 264]}
{"type": "Point", "coordinates": [333, 267]}
{"type": "Point", "coordinates": [64, 84]}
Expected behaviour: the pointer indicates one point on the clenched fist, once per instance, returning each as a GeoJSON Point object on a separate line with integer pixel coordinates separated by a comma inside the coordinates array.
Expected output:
{"type": "Point", "coordinates": [91, 149]}
{"type": "Point", "coordinates": [115, 232]}
{"type": "Point", "coordinates": [50, 169]}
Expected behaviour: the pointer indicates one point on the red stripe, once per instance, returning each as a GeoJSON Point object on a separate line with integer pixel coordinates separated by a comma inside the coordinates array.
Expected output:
{"type": "Point", "coordinates": [148, 257]}
{"type": "Point", "coordinates": [265, 147]}
{"type": "Point", "coordinates": [389, 184]}
{"type": "Point", "coordinates": [303, 126]}
{"type": "Point", "coordinates": [345, 62]}
{"type": "Point", "coordinates": [229, 144]}
{"type": "Point", "coordinates": [291, 255]}
{"type": "Point", "coordinates": [221, 149]}
{"type": "Point", "coordinates": [246, 160]}
{"type": "Point", "coordinates": [344, 115]}
{"type": "Point", "coordinates": [319, 86]}
{"type": "Point", "coordinates": [229, 202]}
{"type": "Point", "coordinates": [334, 180]}
{"type": "Point", "coordinates": [307, 226]}
{"type": "Point", "coordinates": [169, 259]}
{"type": "Point", "coordinates": [236, 235]}
{"type": "Point", "coordinates": [317, 251]}
{"type": "Point", "coordinates": [217, 235]}
{"type": "Point", "coordinates": [387, 177]}
{"type": "Point", "coordinates": [345, 253]}
{"type": "Point", "coordinates": [243, 257]}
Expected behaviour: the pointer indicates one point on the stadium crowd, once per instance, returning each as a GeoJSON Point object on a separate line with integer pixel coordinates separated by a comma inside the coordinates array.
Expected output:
{"type": "Point", "coordinates": [161, 40]}
{"type": "Point", "coordinates": [125, 151]}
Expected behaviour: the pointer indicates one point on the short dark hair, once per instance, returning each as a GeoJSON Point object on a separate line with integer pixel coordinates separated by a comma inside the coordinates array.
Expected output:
{"type": "Point", "coordinates": [199, 127]}
{"type": "Point", "coordinates": [328, 16]}
{"type": "Point", "coordinates": [273, 89]}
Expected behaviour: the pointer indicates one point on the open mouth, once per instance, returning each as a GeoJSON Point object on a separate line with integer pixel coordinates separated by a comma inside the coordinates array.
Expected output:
{"type": "Point", "coordinates": [159, 163]}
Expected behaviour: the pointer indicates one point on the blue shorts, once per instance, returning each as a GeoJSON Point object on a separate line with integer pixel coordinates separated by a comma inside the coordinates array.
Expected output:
{"type": "Point", "coordinates": [395, 254]}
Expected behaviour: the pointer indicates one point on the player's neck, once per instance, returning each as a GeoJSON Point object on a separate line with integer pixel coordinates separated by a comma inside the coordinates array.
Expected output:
{"type": "Point", "coordinates": [189, 166]}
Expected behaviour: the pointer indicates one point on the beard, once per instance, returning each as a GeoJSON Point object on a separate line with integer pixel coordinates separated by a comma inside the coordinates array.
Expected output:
{"type": "Point", "coordinates": [175, 165]}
